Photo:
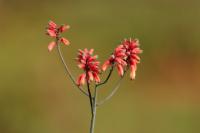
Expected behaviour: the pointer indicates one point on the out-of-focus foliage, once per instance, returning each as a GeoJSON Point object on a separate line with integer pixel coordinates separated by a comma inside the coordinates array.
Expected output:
{"type": "Point", "coordinates": [36, 97]}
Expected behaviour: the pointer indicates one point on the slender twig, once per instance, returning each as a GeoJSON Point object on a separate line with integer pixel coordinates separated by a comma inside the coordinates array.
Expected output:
{"type": "Point", "coordinates": [90, 97]}
{"type": "Point", "coordinates": [114, 90]}
{"type": "Point", "coordinates": [68, 71]}
{"type": "Point", "coordinates": [92, 124]}
{"type": "Point", "coordinates": [109, 75]}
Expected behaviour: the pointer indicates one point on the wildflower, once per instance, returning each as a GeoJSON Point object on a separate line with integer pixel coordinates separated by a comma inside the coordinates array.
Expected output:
{"type": "Point", "coordinates": [64, 41]}
{"type": "Point", "coordinates": [117, 58]}
{"type": "Point", "coordinates": [132, 50]}
{"type": "Point", "coordinates": [90, 65]}
{"type": "Point", "coordinates": [51, 45]}
{"type": "Point", "coordinates": [126, 54]}
{"type": "Point", "coordinates": [54, 31]}
{"type": "Point", "coordinates": [81, 79]}
{"type": "Point", "coordinates": [64, 28]}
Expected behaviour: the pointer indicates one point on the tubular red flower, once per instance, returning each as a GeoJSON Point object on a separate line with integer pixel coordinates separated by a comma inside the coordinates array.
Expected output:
{"type": "Point", "coordinates": [106, 64]}
{"type": "Point", "coordinates": [120, 69]}
{"type": "Point", "coordinates": [81, 79]}
{"type": "Point", "coordinates": [52, 25]}
{"type": "Point", "coordinates": [51, 32]}
{"type": "Point", "coordinates": [51, 46]}
{"type": "Point", "coordinates": [117, 58]}
{"type": "Point", "coordinates": [125, 54]}
{"type": "Point", "coordinates": [64, 41]}
{"type": "Point", "coordinates": [54, 31]}
{"type": "Point", "coordinates": [96, 77]}
{"type": "Point", "coordinates": [90, 76]}
{"type": "Point", "coordinates": [88, 62]}
{"type": "Point", "coordinates": [64, 28]}
{"type": "Point", "coordinates": [132, 71]}
{"type": "Point", "coordinates": [132, 50]}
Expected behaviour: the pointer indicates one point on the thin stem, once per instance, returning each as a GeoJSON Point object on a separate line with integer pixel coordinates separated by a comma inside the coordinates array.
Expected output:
{"type": "Point", "coordinates": [109, 75]}
{"type": "Point", "coordinates": [114, 90]}
{"type": "Point", "coordinates": [92, 124]}
{"type": "Point", "coordinates": [90, 97]}
{"type": "Point", "coordinates": [68, 71]}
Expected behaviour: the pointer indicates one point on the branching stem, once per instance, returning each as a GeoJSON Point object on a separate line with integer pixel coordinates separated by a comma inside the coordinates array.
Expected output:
{"type": "Point", "coordinates": [93, 100]}
{"type": "Point", "coordinates": [114, 90]}
{"type": "Point", "coordinates": [67, 69]}
{"type": "Point", "coordinates": [108, 77]}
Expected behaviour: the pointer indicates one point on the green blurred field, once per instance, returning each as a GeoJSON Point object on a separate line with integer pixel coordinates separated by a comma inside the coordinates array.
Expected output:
{"type": "Point", "coordinates": [36, 97]}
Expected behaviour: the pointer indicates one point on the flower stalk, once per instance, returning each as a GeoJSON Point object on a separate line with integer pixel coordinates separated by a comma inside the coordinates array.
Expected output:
{"type": "Point", "coordinates": [93, 119]}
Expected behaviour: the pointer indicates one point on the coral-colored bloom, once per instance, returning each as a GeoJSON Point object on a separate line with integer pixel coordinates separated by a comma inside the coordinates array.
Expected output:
{"type": "Point", "coordinates": [64, 41]}
{"type": "Point", "coordinates": [132, 58]}
{"type": "Point", "coordinates": [51, 33]}
{"type": "Point", "coordinates": [54, 31]}
{"type": "Point", "coordinates": [51, 46]}
{"type": "Point", "coordinates": [64, 28]}
{"type": "Point", "coordinates": [52, 25]}
{"type": "Point", "coordinates": [120, 69]}
{"type": "Point", "coordinates": [81, 79]}
{"type": "Point", "coordinates": [125, 54]}
{"type": "Point", "coordinates": [117, 58]}
{"type": "Point", "coordinates": [90, 65]}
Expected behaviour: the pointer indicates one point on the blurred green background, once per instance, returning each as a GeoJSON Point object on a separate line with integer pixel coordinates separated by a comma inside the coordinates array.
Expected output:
{"type": "Point", "coordinates": [36, 96]}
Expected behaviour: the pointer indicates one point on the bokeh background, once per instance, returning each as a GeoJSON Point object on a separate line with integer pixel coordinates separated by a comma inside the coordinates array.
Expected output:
{"type": "Point", "coordinates": [37, 97]}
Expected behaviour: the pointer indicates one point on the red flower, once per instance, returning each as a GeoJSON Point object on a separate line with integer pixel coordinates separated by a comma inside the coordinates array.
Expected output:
{"type": "Point", "coordinates": [51, 46]}
{"type": "Point", "coordinates": [132, 58]}
{"type": "Point", "coordinates": [54, 31]}
{"type": "Point", "coordinates": [64, 41]}
{"type": "Point", "coordinates": [117, 58]}
{"type": "Point", "coordinates": [81, 79]}
{"type": "Point", "coordinates": [125, 54]}
{"type": "Point", "coordinates": [64, 28]}
{"type": "Point", "coordinates": [90, 65]}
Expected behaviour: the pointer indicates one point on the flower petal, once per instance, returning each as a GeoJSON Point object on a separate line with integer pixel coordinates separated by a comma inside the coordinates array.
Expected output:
{"type": "Point", "coordinates": [82, 66]}
{"type": "Point", "coordinates": [81, 80]}
{"type": "Point", "coordinates": [51, 46]}
{"type": "Point", "coordinates": [52, 24]}
{"type": "Point", "coordinates": [90, 75]}
{"type": "Point", "coordinates": [64, 28]}
{"type": "Point", "coordinates": [120, 70]}
{"type": "Point", "coordinates": [91, 51]}
{"type": "Point", "coordinates": [136, 51]}
{"type": "Point", "coordinates": [133, 70]}
{"type": "Point", "coordinates": [51, 33]}
{"type": "Point", "coordinates": [105, 65]}
{"type": "Point", "coordinates": [64, 41]}
{"type": "Point", "coordinates": [96, 78]}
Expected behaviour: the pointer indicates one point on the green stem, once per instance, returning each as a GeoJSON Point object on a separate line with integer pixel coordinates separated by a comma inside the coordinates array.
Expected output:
{"type": "Point", "coordinates": [109, 75]}
{"type": "Point", "coordinates": [90, 97]}
{"type": "Point", "coordinates": [67, 69]}
{"type": "Point", "coordinates": [114, 90]}
{"type": "Point", "coordinates": [93, 119]}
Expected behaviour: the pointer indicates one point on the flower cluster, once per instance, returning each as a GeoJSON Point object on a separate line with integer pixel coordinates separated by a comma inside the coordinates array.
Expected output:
{"type": "Point", "coordinates": [90, 65]}
{"type": "Point", "coordinates": [132, 51]}
{"type": "Point", "coordinates": [124, 57]}
{"type": "Point", "coordinates": [117, 58]}
{"type": "Point", "coordinates": [126, 54]}
{"type": "Point", "coordinates": [54, 31]}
